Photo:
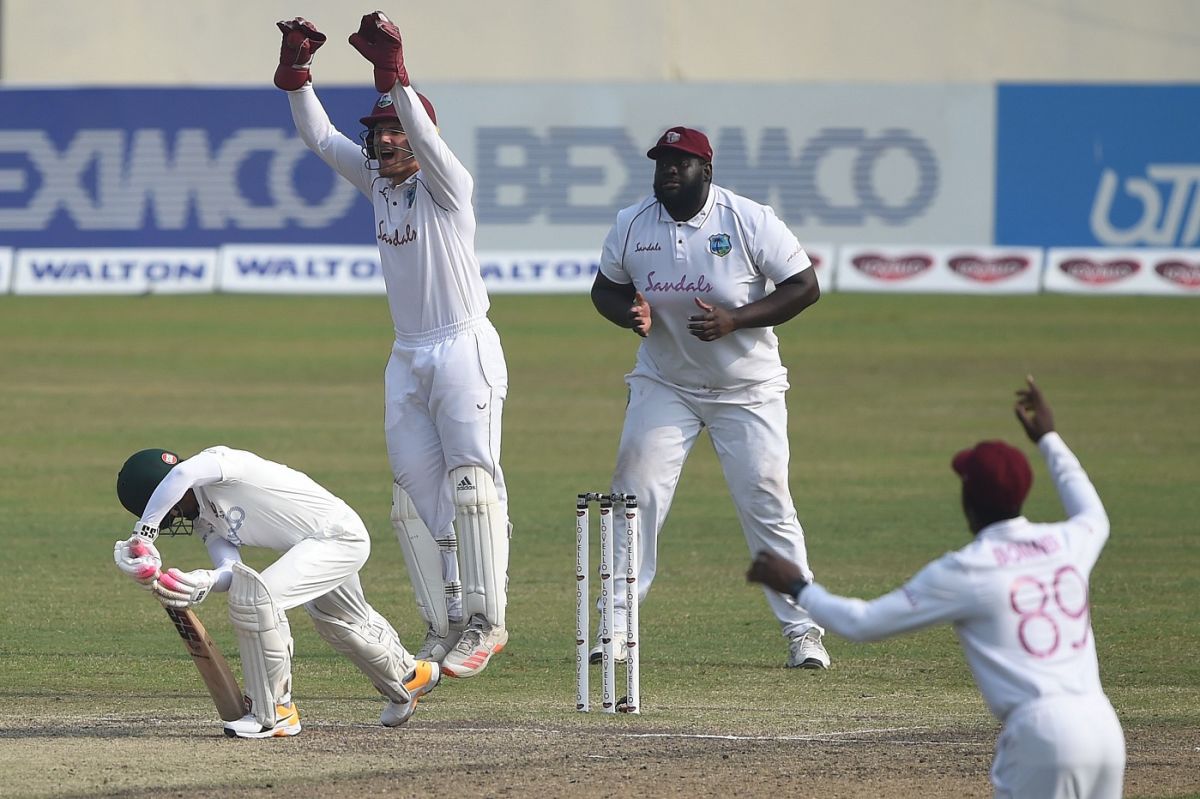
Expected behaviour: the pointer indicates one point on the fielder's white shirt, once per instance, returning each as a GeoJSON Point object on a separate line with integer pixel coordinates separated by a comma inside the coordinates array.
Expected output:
{"type": "Point", "coordinates": [1017, 596]}
{"type": "Point", "coordinates": [724, 255]}
{"type": "Point", "coordinates": [251, 501]}
{"type": "Point", "coordinates": [425, 227]}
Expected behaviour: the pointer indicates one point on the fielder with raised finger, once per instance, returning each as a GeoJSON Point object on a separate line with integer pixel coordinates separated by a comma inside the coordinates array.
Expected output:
{"type": "Point", "coordinates": [446, 381]}
{"type": "Point", "coordinates": [1018, 597]}
{"type": "Point", "coordinates": [233, 499]}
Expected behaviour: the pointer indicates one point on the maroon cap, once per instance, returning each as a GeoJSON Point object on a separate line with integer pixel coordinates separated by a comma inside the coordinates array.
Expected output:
{"type": "Point", "coordinates": [686, 140]}
{"type": "Point", "coordinates": [384, 110]}
{"type": "Point", "coordinates": [996, 477]}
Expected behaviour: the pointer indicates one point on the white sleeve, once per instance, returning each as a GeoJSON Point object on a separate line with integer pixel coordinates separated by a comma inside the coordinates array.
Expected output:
{"type": "Point", "coordinates": [331, 146]}
{"type": "Point", "coordinates": [1088, 522]}
{"type": "Point", "coordinates": [941, 592]}
{"type": "Point", "coordinates": [224, 554]}
{"type": "Point", "coordinates": [201, 469]}
{"type": "Point", "coordinates": [777, 253]}
{"type": "Point", "coordinates": [612, 260]}
{"type": "Point", "coordinates": [447, 179]}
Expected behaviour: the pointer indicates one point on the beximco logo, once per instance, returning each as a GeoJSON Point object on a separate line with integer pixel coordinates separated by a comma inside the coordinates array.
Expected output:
{"type": "Point", "coordinates": [1182, 273]}
{"type": "Point", "coordinates": [883, 267]}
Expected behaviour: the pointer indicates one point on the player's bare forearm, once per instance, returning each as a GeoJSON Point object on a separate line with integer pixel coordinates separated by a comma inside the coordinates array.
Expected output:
{"type": "Point", "coordinates": [787, 300]}
{"type": "Point", "coordinates": [613, 300]}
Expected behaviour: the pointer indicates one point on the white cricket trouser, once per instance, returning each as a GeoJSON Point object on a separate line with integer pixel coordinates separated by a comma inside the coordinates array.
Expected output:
{"type": "Point", "coordinates": [1061, 747]}
{"type": "Point", "coordinates": [748, 429]}
{"type": "Point", "coordinates": [443, 406]}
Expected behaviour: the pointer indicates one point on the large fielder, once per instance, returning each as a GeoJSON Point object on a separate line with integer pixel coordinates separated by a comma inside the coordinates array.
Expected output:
{"type": "Point", "coordinates": [235, 499]}
{"type": "Point", "coordinates": [446, 380]}
{"type": "Point", "coordinates": [1018, 599]}
{"type": "Point", "coordinates": [688, 269]}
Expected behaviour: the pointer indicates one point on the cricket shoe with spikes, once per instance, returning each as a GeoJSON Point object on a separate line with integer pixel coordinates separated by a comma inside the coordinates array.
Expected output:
{"type": "Point", "coordinates": [475, 647]}
{"type": "Point", "coordinates": [287, 724]}
{"type": "Point", "coordinates": [436, 647]}
{"type": "Point", "coordinates": [423, 679]}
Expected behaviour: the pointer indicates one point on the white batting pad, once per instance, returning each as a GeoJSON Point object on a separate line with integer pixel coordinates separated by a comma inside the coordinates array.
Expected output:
{"type": "Point", "coordinates": [423, 558]}
{"type": "Point", "coordinates": [264, 640]}
{"type": "Point", "coordinates": [372, 645]}
{"type": "Point", "coordinates": [483, 541]}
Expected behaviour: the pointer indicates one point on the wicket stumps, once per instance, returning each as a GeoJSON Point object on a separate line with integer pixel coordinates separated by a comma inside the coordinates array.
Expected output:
{"type": "Point", "coordinates": [627, 505]}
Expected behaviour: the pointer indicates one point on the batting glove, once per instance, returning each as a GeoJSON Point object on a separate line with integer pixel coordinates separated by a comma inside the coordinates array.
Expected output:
{"type": "Point", "coordinates": [177, 589]}
{"type": "Point", "coordinates": [378, 40]}
{"type": "Point", "coordinates": [301, 39]}
{"type": "Point", "coordinates": [139, 559]}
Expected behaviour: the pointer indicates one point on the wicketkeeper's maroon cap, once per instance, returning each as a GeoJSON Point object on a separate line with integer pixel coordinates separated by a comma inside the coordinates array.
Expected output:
{"type": "Point", "coordinates": [384, 110]}
{"type": "Point", "coordinates": [686, 140]}
{"type": "Point", "coordinates": [996, 477]}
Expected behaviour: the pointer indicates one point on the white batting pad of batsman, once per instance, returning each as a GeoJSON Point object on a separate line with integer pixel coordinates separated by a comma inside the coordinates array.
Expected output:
{"type": "Point", "coordinates": [422, 557]}
{"type": "Point", "coordinates": [373, 646]}
{"type": "Point", "coordinates": [264, 640]}
{"type": "Point", "coordinates": [483, 542]}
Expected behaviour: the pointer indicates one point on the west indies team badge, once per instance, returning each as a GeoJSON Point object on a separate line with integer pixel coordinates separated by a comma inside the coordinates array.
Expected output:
{"type": "Point", "coordinates": [718, 244]}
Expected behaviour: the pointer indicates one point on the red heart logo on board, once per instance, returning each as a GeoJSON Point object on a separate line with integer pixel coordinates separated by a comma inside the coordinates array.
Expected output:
{"type": "Point", "coordinates": [883, 267]}
{"type": "Point", "coordinates": [988, 270]}
{"type": "Point", "coordinates": [1096, 273]}
{"type": "Point", "coordinates": [1182, 273]}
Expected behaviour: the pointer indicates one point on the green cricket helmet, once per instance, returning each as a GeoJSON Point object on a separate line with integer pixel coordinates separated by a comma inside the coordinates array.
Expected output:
{"type": "Point", "coordinates": [138, 478]}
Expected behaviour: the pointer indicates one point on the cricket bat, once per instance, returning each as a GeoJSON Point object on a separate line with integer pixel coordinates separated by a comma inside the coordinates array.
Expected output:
{"type": "Point", "coordinates": [214, 669]}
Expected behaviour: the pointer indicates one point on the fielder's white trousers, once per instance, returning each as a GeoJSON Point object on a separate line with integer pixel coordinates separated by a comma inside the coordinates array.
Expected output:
{"type": "Point", "coordinates": [1063, 747]}
{"type": "Point", "coordinates": [748, 429]}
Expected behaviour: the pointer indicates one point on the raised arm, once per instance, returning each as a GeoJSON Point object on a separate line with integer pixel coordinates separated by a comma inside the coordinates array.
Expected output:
{"type": "Point", "coordinates": [378, 40]}
{"type": "Point", "coordinates": [1079, 497]}
{"type": "Point", "coordinates": [301, 39]}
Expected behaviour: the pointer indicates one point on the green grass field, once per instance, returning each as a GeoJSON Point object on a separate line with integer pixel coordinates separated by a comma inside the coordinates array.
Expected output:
{"type": "Point", "coordinates": [884, 390]}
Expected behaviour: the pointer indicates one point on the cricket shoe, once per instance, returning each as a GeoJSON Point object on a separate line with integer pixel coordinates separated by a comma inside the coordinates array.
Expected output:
{"type": "Point", "coordinates": [475, 647]}
{"type": "Point", "coordinates": [287, 723]}
{"type": "Point", "coordinates": [423, 679]}
{"type": "Point", "coordinates": [436, 647]}
{"type": "Point", "coordinates": [620, 651]}
{"type": "Point", "coordinates": [807, 652]}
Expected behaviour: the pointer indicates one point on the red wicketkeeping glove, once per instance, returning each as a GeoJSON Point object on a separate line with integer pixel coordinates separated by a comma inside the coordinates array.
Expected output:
{"type": "Point", "coordinates": [301, 39]}
{"type": "Point", "coordinates": [378, 39]}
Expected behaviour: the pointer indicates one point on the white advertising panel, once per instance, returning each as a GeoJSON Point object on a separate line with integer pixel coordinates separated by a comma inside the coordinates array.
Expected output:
{"type": "Point", "coordinates": [1114, 271]}
{"type": "Point", "coordinates": [6, 256]}
{"type": "Point", "coordinates": [300, 269]}
{"type": "Point", "coordinates": [565, 272]}
{"type": "Point", "coordinates": [309, 269]}
{"type": "Point", "coordinates": [114, 271]}
{"type": "Point", "coordinates": [939, 270]}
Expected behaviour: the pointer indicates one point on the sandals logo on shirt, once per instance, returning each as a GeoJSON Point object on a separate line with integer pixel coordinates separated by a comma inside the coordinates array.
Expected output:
{"type": "Point", "coordinates": [718, 244]}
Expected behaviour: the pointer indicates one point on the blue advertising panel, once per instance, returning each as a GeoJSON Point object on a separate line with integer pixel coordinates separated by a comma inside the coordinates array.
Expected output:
{"type": "Point", "coordinates": [171, 168]}
{"type": "Point", "coordinates": [1098, 165]}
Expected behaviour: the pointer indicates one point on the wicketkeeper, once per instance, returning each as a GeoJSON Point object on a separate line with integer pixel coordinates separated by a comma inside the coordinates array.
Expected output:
{"type": "Point", "coordinates": [446, 379]}
{"type": "Point", "coordinates": [235, 498]}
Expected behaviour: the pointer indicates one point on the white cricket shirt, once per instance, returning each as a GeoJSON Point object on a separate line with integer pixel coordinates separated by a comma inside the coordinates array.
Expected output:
{"type": "Point", "coordinates": [724, 255]}
{"type": "Point", "coordinates": [424, 227]}
{"type": "Point", "coordinates": [251, 501]}
{"type": "Point", "coordinates": [1017, 596]}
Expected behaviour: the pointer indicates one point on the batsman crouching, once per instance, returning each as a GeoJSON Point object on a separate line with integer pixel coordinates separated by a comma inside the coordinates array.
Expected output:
{"type": "Point", "coordinates": [235, 498]}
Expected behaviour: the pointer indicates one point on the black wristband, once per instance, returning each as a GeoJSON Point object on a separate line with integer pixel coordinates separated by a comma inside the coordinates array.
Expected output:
{"type": "Point", "coordinates": [795, 588]}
